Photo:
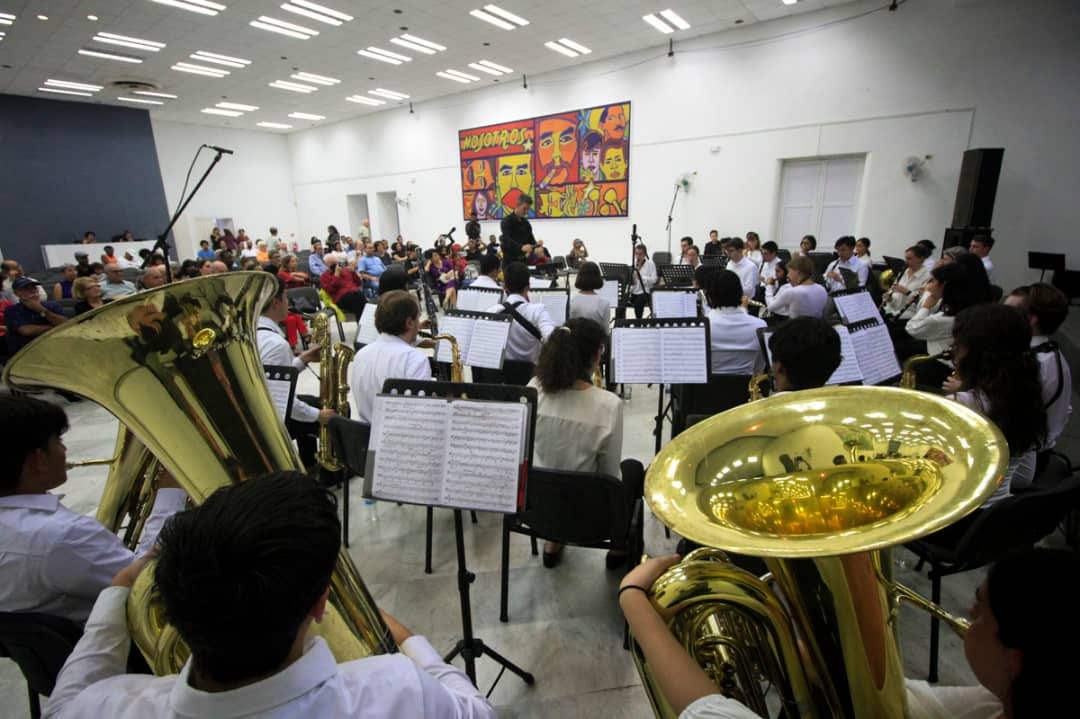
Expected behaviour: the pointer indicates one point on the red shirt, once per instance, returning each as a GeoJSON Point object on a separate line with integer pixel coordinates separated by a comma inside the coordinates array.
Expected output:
{"type": "Point", "coordinates": [341, 283]}
{"type": "Point", "coordinates": [291, 280]}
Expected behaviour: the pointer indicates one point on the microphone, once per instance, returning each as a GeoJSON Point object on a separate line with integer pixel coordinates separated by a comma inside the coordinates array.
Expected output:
{"type": "Point", "coordinates": [450, 234]}
{"type": "Point", "coordinates": [634, 234]}
{"type": "Point", "coordinates": [222, 150]}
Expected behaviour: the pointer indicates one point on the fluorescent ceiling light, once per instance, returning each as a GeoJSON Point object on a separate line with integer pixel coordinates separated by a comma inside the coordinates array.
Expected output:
{"type": "Point", "coordinates": [287, 25]}
{"type": "Point", "coordinates": [92, 18]}
{"type": "Point", "coordinates": [58, 91]}
{"type": "Point", "coordinates": [323, 9]}
{"type": "Point", "coordinates": [73, 85]}
{"type": "Point", "coordinates": [317, 79]}
{"type": "Point", "coordinates": [278, 30]}
{"type": "Point", "coordinates": [506, 15]}
{"type": "Point", "coordinates": [141, 100]}
{"type": "Point", "coordinates": [390, 94]}
{"type": "Point", "coordinates": [289, 7]}
{"type": "Point", "coordinates": [6, 18]}
{"type": "Point", "coordinates": [467, 76]}
{"type": "Point", "coordinates": [455, 78]}
{"type": "Point", "coordinates": [422, 41]}
{"type": "Point", "coordinates": [790, 2]}
{"type": "Point", "coordinates": [496, 66]}
{"type": "Point", "coordinates": [274, 125]}
{"type": "Point", "coordinates": [382, 58]}
{"type": "Point", "coordinates": [226, 60]}
{"type": "Point", "coordinates": [292, 86]}
{"type": "Point", "coordinates": [306, 116]}
{"type": "Point", "coordinates": [658, 23]}
{"type": "Point", "coordinates": [154, 94]}
{"type": "Point", "coordinates": [200, 69]}
{"type": "Point", "coordinates": [480, 14]}
{"type": "Point", "coordinates": [673, 17]}
{"type": "Point", "coordinates": [485, 68]}
{"type": "Point", "coordinates": [126, 41]}
{"type": "Point", "coordinates": [360, 99]}
{"type": "Point", "coordinates": [42, 17]}
{"type": "Point", "coordinates": [236, 106]}
{"type": "Point", "coordinates": [226, 113]}
{"type": "Point", "coordinates": [551, 45]}
{"type": "Point", "coordinates": [412, 46]}
{"type": "Point", "coordinates": [387, 53]}
{"type": "Point", "coordinates": [577, 47]}
{"type": "Point", "coordinates": [109, 55]}
{"type": "Point", "coordinates": [203, 7]}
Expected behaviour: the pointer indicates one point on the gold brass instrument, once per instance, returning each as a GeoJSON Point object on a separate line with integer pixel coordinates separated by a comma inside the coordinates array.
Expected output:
{"type": "Point", "coordinates": [756, 381]}
{"type": "Point", "coordinates": [334, 362]}
{"type": "Point", "coordinates": [457, 369]}
{"type": "Point", "coordinates": [886, 280]}
{"type": "Point", "coordinates": [820, 484]}
{"type": "Point", "coordinates": [909, 377]}
{"type": "Point", "coordinates": [179, 367]}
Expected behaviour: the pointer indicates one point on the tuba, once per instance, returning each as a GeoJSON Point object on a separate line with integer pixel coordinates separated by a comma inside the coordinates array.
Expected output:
{"type": "Point", "coordinates": [819, 483]}
{"type": "Point", "coordinates": [333, 385]}
{"type": "Point", "coordinates": [179, 367]}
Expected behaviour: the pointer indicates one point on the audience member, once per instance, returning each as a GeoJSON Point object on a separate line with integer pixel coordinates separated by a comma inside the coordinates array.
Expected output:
{"type": "Point", "coordinates": [31, 316]}
{"type": "Point", "coordinates": [392, 355]}
{"type": "Point", "coordinates": [289, 273]}
{"type": "Point", "coordinates": [154, 277]}
{"type": "Point", "coordinates": [115, 285]}
{"type": "Point", "coordinates": [341, 282]}
{"type": "Point", "coordinates": [733, 332]}
{"type": "Point", "coordinates": [12, 271]}
{"type": "Point", "coordinates": [89, 237]}
{"type": "Point", "coordinates": [82, 264]}
{"type": "Point", "coordinates": [315, 260]}
{"type": "Point", "coordinates": [443, 277]}
{"type": "Point", "coordinates": [87, 294]}
{"type": "Point", "coordinates": [370, 267]}
{"type": "Point", "coordinates": [586, 302]}
{"type": "Point", "coordinates": [205, 252]}
{"type": "Point", "coordinates": [578, 254]}
{"type": "Point", "coordinates": [108, 257]}
{"type": "Point", "coordinates": [62, 289]}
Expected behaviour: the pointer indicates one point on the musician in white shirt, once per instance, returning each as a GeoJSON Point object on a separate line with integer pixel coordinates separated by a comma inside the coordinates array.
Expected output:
{"type": "Point", "coordinates": [525, 339]}
{"type": "Point", "coordinates": [769, 260]}
{"type": "Point", "coordinates": [685, 244]}
{"type": "Point", "coordinates": [980, 247]}
{"type": "Point", "coordinates": [901, 298]}
{"type": "Point", "coordinates": [801, 297]}
{"type": "Point", "coordinates": [732, 332]}
{"type": "Point", "coordinates": [392, 355]}
{"type": "Point", "coordinates": [489, 273]}
{"type": "Point", "coordinates": [586, 302]}
{"type": "Point", "coordinates": [747, 272]}
{"type": "Point", "coordinates": [52, 560]}
{"type": "Point", "coordinates": [845, 260]}
{"type": "Point", "coordinates": [242, 578]}
{"type": "Point", "coordinates": [643, 279]}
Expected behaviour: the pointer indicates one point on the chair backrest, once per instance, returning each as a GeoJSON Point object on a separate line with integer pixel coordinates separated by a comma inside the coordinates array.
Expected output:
{"type": "Point", "coordinates": [784, 255]}
{"type": "Point", "coordinates": [559, 261]}
{"type": "Point", "coordinates": [580, 508]}
{"type": "Point", "coordinates": [692, 403]}
{"type": "Point", "coordinates": [996, 293]}
{"type": "Point", "coordinates": [305, 295]}
{"type": "Point", "coordinates": [39, 644]}
{"type": "Point", "coordinates": [661, 258]}
{"type": "Point", "coordinates": [350, 438]}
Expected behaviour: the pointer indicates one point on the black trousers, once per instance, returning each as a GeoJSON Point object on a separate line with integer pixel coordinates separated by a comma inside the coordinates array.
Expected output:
{"type": "Point", "coordinates": [305, 433]}
{"type": "Point", "coordinates": [513, 372]}
{"type": "Point", "coordinates": [352, 302]}
{"type": "Point", "coordinates": [639, 303]}
{"type": "Point", "coordinates": [633, 478]}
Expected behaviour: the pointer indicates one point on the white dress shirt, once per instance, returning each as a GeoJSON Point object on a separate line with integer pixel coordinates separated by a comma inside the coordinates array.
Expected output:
{"type": "Point", "coordinates": [1058, 411]}
{"type": "Point", "coordinates": [521, 346]}
{"type": "Point", "coordinates": [274, 349]}
{"type": "Point", "coordinates": [55, 561]}
{"type": "Point", "coordinates": [414, 683]}
{"type": "Point", "coordinates": [754, 256]}
{"type": "Point", "coordinates": [734, 340]}
{"type": "Point", "coordinates": [113, 290]}
{"type": "Point", "coordinates": [933, 327]}
{"type": "Point", "coordinates": [648, 277]}
{"type": "Point", "coordinates": [593, 307]}
{"type": "Point", "coordinates": [748, 273]}
{"type": "Point", "coordinates": [853, 263]}
{"type": "Point", "coordinates": [768, 269]}
{"type": "Point", "coordinates": [807, 300]}
{"type": "Point", "coordinates": [989, 265]}
{"type": "Point", "coordinates": [578, 430]}
{"type": "Point", "coordinates": [486, 282]}
{"type": "Point", "coordinates": [388, 357]}
{"type": "Point", "coordinates": [901, 303]}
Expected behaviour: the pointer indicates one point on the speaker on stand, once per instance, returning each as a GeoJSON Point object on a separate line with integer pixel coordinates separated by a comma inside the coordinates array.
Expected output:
{"type": "Point", "coordinates": [975, 195]}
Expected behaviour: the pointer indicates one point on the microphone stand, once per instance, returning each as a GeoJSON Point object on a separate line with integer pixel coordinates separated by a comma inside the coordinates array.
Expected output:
{"type": "Point", "coordinates": [670, 213]}
{"type": "Point", "coordinates": [163, 239]}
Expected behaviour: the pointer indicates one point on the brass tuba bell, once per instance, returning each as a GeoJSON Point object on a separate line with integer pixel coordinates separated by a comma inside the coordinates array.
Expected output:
{"type": "Point", "coordinates": [179, 367]}
{"type": "Point", "coordinates": [820, 483]}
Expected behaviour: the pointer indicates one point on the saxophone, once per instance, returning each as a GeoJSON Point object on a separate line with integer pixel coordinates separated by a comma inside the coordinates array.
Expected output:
{"type": "Point", "coordinates": [909, 378]}
{"type": "Point", "coordinates": [457, 369]}
{"type": "Point", "coordinates": [334, 363]}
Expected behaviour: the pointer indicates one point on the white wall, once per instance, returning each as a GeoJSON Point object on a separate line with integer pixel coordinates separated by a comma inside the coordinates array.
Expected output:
{"type": "Point", "coordinates": [934, 78]}
{"type": "Point", "coordinates": [252, 186]}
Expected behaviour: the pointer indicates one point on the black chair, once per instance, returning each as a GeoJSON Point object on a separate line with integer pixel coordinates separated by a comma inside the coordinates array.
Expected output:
{"type": "Point", "coordinates": [581, 509]}
{"type": "Point", "coordinates": [559, 262]}
{"type": "Point", "coordinates": [661, 258]}
{"type": "Point", "coordinates": [1011, 524]}
{"type": "Point", "coordinates": [784, 255]}
{"type": "Point", "coordinates": [303, 299]}
{"type": "Point", "coordinates": [691, 403]}
{"type": "Point", "coordinates": [39, 644]}
{"type": "Point", "coordinates": [996, 293]}
{"type": "Point", "coordinates": [350, 438]}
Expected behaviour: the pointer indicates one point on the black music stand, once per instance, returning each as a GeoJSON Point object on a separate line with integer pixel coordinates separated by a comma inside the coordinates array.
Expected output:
{"type": "Point", "coordinates": [677, 275]}
{"type": "Point", "coordinates": [1044, 261]}
{"type": "Point", "coordinates": [285, 374]}
{"type": "Point", "coordinates": [471, 647]}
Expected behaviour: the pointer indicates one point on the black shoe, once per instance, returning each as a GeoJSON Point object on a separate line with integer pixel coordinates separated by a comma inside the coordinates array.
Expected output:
{"type": "Point", "coordinates": [615, 560]}
{"type": "Point", "coordinates": [552, 559]}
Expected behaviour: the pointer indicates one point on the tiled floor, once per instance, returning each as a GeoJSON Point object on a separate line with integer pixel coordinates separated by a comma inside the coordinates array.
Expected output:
{"type": "Point", "coordinates": [564, 626]}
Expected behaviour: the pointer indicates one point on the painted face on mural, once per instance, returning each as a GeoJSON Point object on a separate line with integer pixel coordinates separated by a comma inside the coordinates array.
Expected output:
{"type": "Point", "coordinates": [478, 174]}
{"type": "Point", "coordinates": [480, 204]}
{"type": "Point", "coordinates": [613, 123]}
{"type": "Point", "coordinates": [515, 178]}
{"type": "Point", "coordinates": [556, 149]}
{"type": "Point", "coordinates": [614, 162]}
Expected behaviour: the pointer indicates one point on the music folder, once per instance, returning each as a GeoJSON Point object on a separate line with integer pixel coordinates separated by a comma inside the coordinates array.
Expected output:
{"type": "Point", "coordinates": [555, 299]}
{"type": "Point", "coordinates": [661, 351]}
{"type": "Point", "coordinates": [668, 302]}
{"type": "Point", "coordinates": [478, 299]}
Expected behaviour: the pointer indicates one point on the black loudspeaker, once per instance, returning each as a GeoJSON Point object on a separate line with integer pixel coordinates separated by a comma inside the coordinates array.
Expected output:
{"type": "Point", "coordinates": [977, 187]}
{"type": "Point", "coordinates": [962, 236]}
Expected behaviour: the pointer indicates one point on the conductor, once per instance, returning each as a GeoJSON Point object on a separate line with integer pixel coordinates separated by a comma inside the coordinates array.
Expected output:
{"type": "Point", "coordinates": [517, 235]}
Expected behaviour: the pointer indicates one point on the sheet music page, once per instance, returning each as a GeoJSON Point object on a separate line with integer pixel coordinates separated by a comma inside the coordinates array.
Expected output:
{"type": "Point", "coordinates": [461, 328]}
{"type": "Point", "coordinates": [876, 354]}
{"type": "Point", "coordinates": [538, 283]}
{"type": "Point", "coordinates": [848, 371]}
{"type": "Point", "coordinates": [684, 355]}
{"type": "Point", "coordinates": [408, 436]}
{"type": "Point", "coordinates": [768, 350]}
{"type": "Point", "coordinates": [610, 292]}
{"type": "Point", "coordinates": [366, 333]}
{"type": "Point", "coordinates": [477, 300]}
{"type": "Point", "coordinates": [484, 456]}
{"type": "Point", "coordinates": [636, 355]}
{"type": "Point", "coordinates": [856, 307]}
{"type": "Point", "coordinates": [279, 394]}
{"type": "Point", "coordinates": [674, 304]}
{"type": "Point", "coordinates": [556, 303]}
{"type": "Point", "coordinates": [488, 344]}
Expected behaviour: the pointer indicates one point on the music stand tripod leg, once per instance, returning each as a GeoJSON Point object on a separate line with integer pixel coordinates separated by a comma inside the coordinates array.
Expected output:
{"type": "Point", "coordinates": [469, 647]}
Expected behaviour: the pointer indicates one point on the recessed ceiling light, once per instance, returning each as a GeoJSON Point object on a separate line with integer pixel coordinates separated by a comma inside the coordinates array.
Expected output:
{"type": "Point", "coordinates": [325, 15]}
{"type": "Point", "coordinates": [138, 43]}
{"type": "Point", "coordinates": [790, 2]}
{"type": "Point", "coordinates": [274, 125]}
{"type": "Point", "coordinates": [575, 46]}
{"type": "Point", "coordinates": [485, 68]}
{"type": "Point", "coordinates": [489, 18]}
{"type": "Point", "coordinates": [58, 91]}
{"type": "Point", "coordinates": [317, 79]}
{"type": "Point", "coordinates": [92, 18]}
{"type": "Point", "coordinates": [67, 85]}
{"type": "Point", "coordinates": [236, 106]}
{"type": "Point", "coordinates": [292, 86]}
{"type": "Point", "coordinates": [455, 78]}
{"type": "Point", "coordinates": [306, 116]}
{"type": "Point", "coordinates": [465, 75]}
{"type": "Point", "coordinates": [360, 99]}
{"type": "Point", "coordinates": [675, 19]}
{"type": "Point", "coordinates": [421, 41]}
{"type": "Point", "coordinates": [387, 53]}
{"type": "Point", "coordinates": [109, 55]}
{"type": "Point", "coordinates": [226, 60]}
{"type": "Point", "coordinates": [412, 46]}
{"type": "Point", "coordinates": [658, 23]}
{"type": "Point", "coordinates": [389, 94]}
{"type": "Point", "coordinates": [217, 111]}
{"type": "Point", "coordinates": [200, 69]}
{"type": "Point", "coordinates": [203, 7]}
{"type": "Point", "coordinates": [337, 14]}
{"type": "Point", "coordinates": [141, 100]}
{"type": "Point", "coordinates": [381, 58]}
{"type": "Point", "coordinates": [6, 18]}
{"type": "Point", "coordinates": [42, 17]}
{"type": "Point", "coordinates": [496, 66]}
{"type": "Point", "coordinates": [552, 45]}
{"type": "Point", "coordinates": [148, 93]}
{"type": "Point", "coordinates": [506, 15]}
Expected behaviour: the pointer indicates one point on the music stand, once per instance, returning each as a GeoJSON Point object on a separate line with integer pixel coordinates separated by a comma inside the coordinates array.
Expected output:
{"type": "Point", "coordinates": [821, 262]}
{"type": "Point", "coordinates": [897, 265]}
{"type": "Point", "coordinates": [1044, 261]}
{"type": "Point", "coordinates": [615, 270]}
{"type": "Point", "coordinates": [714, 261]}
{"type": "Point", "coordinates": [677, 275]}
{"type": "Point", "coordinates": [471, 647]}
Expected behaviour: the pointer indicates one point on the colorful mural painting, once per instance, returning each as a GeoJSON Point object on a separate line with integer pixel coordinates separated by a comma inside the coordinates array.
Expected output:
{"type": "Point", "coordinates": [573, 164]}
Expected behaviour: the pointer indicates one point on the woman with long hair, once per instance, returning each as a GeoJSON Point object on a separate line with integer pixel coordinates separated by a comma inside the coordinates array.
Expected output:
{"type": "Point", "coordinates": [951, 289]}
{"type": "Point", "coordinates": [579, 425]}
{"type": "Point", "coordinates": [289, 273]}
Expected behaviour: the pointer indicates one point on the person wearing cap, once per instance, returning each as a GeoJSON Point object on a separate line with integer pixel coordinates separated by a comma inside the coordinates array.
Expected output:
{"type": "Point", "coordinates": [30, 316]}
{"type": "Point", "coordinates": [115, 285]}
{"type": "Point", "coordinates": [82, 264]}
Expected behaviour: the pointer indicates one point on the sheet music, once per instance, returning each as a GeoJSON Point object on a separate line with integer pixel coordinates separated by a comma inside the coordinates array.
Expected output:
{"type": "Point", "coordinates": [610, 292]}
{"type": "Point", "coordinates": [366, 332]}
{"type": "Point", "coordinates": [876, 354]}
{"type": "Point", "coordinates": [409, 462]}
{"type": "Point", "coordinates": [856, 307]}
{"type": "Point", "coordinates": [477, 300]}
{"type": "Point", "coordinates": [674, 304]}
{"type": "Point", "coordinates": [556, 303]}
{"type": "Point", "coordinates": [539, 283]}
{"type": "Point", "coordinates": [684, 355]}
{"type": "Point", "coordinates": [462, 329]}
{"type": "Point", "coordinates": [636, 355]}
{"type": "Point", "coordinates": [485, 450]}
{"type": "Point", "coordinates": [487, 344]}
{"type": "Point", "coordinates": [279, 394]}
{"type": "Point", "coordinates": [848, 371]}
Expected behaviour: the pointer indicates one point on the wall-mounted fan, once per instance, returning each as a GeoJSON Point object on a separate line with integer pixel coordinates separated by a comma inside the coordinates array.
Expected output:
{"type": "Point", "coordinates": [685, 180]}
{"type": "Point", "coordinates": [913, 167]}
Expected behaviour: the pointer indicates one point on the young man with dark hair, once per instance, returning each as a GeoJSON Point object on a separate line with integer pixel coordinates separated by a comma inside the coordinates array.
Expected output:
{"type": "Point", "coordinates": [685, 243]}
{"type": "Point", "coordinates": [55, 561]}
{"type": "Point", "coordinates": [857, 272]}
{"type": "Point", "coordinates": [205, 253]}
{"type": "Point", "coordinates": [746, 269]}
{"type": "Point", "coordinates": [530, 325]}
{"type": "Point", "coordinates": [517, 235]}
{"type": "Point", "coordinates": [489, 273]}
{"type": "Point", "coordinates": [805, 352]}
{"type": "Point", "coordinates": [243, 578]}
{"type": "Point", "coordinates": [392, 355]}
{"type": "Point", "coordinates": [980, 247]}
{"type": "Point", "coordinates": [712, 247]}
{"type": "Point", "coordinates": [732, 331]}
{"type": "Point", "coordinates": [769, 260]}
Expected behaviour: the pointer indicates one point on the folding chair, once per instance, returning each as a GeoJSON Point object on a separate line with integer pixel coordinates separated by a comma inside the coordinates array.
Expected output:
{"type": "Point", "coordinates": [39, 644]}
{"type": "Point", "coordinates": [350, 438]}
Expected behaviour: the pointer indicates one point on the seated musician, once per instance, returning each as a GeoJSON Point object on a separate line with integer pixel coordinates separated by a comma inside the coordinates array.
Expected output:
{"type": "Point", "coordinates": [846, 263]}
{"type": "Point", "coordinates": [801, 296]}
{"type": "Point", "coordinates": [742, 266]}
{"type": "Point", "coordinates": [579, 426]}
{"type": "Point", "coordinates": [530, 327]}
{"type": "Point", "coordinates": [902, 297]}
{"type": "Point", "coordinates": [489, 273]}
{"type": "Point", "coordinates": [950, 289]}
{"type": "Point", "coordinates": [55, 561]}
{"type": "Point", "coordinates": [1012, 648]}
{"type": "Point", "coordinates": [732, 331]}
{"type": "Point", "coordinates": [586, 302]}
{"type": "Point", "coordinates": [242, 578]}
{"type": "Point", "coordinates": [769, 260]}
{"type": "Point", "coordinates": [392, 355]}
